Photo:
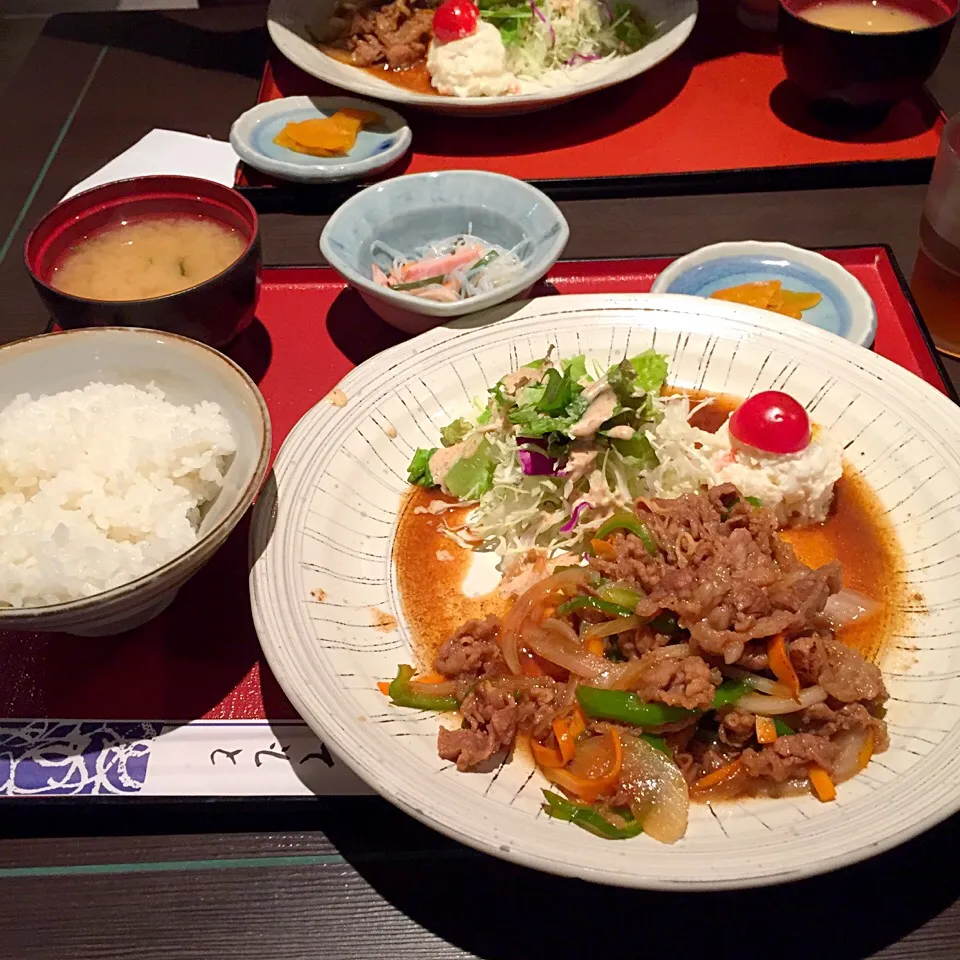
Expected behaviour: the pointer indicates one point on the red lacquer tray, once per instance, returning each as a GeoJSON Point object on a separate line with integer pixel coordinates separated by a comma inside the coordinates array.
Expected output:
{"type": "Point", "coordinates": [200, 658]}
{"type": "Point", "coordinates": [715, 116]}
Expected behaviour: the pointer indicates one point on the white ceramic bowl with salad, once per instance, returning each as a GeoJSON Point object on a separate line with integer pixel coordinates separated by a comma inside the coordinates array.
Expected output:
{"type": "Point", "coordinates": [424, 249]}
{"type": "Point", "coordinates": [548, 51]}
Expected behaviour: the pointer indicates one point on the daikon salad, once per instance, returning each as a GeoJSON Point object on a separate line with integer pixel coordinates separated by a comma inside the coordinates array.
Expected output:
{"type": "Point", "coordinates": [448, 270]}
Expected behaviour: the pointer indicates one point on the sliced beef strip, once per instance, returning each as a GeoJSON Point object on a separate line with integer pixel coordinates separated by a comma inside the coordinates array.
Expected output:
{"type": "Point", "coordinates": [473, 650]}
{"type": "Point", "coordinates": [493, 714]}
{"type": "Point", "coordinates": [789, 757]}
{"type": "Point", "coordinates": [847, 677]}
{"type": "Point", "coordinates": [689, 682]}
{"type": "Point", "coordinates": [824, 721]}
{"type": "Point", "coordinates": [737, 728]}
{"type": "Point", "coordinates": [490, 717]}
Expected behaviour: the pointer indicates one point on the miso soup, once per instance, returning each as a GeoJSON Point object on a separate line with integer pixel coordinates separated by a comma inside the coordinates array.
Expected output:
{"type": "Point", "coordinates": [864, 16]}
{"type": "Point", "coordinates": [147, 258]}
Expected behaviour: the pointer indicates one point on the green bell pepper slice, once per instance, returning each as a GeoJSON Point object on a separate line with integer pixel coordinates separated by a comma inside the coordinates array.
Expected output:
{"type": "Point", "coordinates": [631, 523]}
{"type": "Point", "coordinates": [624, 707]}
{"type": "Point", "coordinates": [621, 706]}
{"type": "Point", "coordinates": [594, 603]}
{"type": "Point", "coordinates": [403, 695]}
{"type": "Point", "coordinates": [622, 596]}
{"type": "Point", "coordinates": [588, 818]}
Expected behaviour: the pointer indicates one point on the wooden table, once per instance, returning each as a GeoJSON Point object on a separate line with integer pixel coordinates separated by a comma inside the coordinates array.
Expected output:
{"type": "Point", "coordinates": [356, 879]}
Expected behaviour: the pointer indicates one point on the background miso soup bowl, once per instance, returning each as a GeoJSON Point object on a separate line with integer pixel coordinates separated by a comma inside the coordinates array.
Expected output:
{"type": "Point", "coordinates": [213, 312]}
{"type": "Point", "coordinates": [846, 74]}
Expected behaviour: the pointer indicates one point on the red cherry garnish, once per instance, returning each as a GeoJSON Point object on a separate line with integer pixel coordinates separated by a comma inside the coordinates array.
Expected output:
{"type": "Point", "coordinates": [455, 20]}
{"type": "Point", "coordinates": [771, 421]}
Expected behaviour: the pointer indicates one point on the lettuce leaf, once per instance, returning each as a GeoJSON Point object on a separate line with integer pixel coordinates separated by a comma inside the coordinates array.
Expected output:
{"type": "Point", "coordinates": [419, 470]}
{"type": "Point", "coordinates": [651, 368]}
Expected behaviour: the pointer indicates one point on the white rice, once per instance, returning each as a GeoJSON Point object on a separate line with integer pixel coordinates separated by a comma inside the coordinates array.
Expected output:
{"type": "Point", "coordinates": [100, 486]}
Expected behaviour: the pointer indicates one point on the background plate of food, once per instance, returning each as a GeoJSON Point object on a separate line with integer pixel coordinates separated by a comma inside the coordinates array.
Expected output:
{"type": "Point", "coordinates": [545, 568]}
{"type": "Point", "coordinates": [496, 58]}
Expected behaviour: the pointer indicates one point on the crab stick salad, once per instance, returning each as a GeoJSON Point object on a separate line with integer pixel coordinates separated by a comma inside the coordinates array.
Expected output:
{"type": "Point", "coordinates": [448, 270]}
{"type": "Point", "coordinates": [561, 448]}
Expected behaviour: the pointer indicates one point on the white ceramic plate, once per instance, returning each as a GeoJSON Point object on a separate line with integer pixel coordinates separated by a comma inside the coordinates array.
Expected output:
{"type": "Point", "coordinates": [291, 22]}
{"type": "Point", "coordinates": [340, 476]}
{"type": "Point", "coordinates": [377, 147]}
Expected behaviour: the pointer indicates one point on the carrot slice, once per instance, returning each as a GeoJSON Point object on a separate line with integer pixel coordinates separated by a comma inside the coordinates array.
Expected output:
{"type": "Point", "coordinates": [548, 757]}
{"type": "Point", "coordinates": [589, 789]}
{"type": "Point", "coordinates": [603, 549]}
{"type": "Point", "coordinates": [578, 723]}
{"type": "Point", "coordinates": [822, 785]}
{"type": "Point", "coordinates": [718, 776]}
{"type": "Point", "coordinates": [530, 667]}
{"type": "Point", "coordinates": [430, 678]}
{"type": "Point", "coordinates": [781, 665]}
{"type": "Point", "coordinates": [595, 646]}
{"type": "Point", "coordinates": [766, 730]}
{"type": "Point", "coordinates": [752, 294]}
{"type": "Point", "coordinates": [384, 687]}
{"type": "Point", "coordinates": [865, 752]}
{"type": "Point", "coordinates": [566, 743]}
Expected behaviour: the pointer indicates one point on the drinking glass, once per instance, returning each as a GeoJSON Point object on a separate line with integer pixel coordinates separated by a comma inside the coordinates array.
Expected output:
{"type": "Point", "coordinates": [936, 275]}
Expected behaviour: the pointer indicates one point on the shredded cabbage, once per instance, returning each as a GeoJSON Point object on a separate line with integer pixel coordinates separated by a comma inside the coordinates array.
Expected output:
{"type": "Point", "coordinates": [596, 426]}
{"type": "Point", "coordinates": [544, 35]}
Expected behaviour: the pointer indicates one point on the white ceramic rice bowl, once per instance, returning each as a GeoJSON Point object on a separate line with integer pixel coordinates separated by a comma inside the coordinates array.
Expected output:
{"type": "Point", "coordinates": [187, 372]}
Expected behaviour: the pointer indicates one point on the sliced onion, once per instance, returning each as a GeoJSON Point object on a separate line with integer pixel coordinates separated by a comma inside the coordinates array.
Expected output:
{"type": "Point", "coordinates": [763, 684]}
{"type": "Point", "coordinates": [848, 607]}
{"type": "Point", "coordinates": [848, 756]}
{"type": "Point", "coordinates": [659, 796]}
{"type": "Point", "coordinates": [555, 646]}
{"type": "Point", "coordinates": [443, 689]}
{"type": "Point", "coordinates": [567, 581]}
{"type": "Point", "coordinates": [774, 706]}
{"type": "Point", "coordinates": [609, 627]}
{"type": "Point", "coordinates": [624, 676]}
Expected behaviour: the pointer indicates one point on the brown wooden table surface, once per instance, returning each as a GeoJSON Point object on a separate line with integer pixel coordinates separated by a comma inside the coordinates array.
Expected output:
{"type": "Point", "coordinates": [356, 879]}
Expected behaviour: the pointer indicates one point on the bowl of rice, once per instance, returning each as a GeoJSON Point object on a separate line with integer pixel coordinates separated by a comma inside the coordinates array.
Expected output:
{"type": "Point", "coordinates": [126, 458]}
{"type": "Point", "coordinates": [408, 222]}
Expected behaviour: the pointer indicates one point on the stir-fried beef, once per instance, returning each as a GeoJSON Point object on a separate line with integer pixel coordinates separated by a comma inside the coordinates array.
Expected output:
{"type": "Point", "coordinates": [848, 677]}
{"type": "Point", "coordinates": [493, 714]}
{"type": "Point", "coordinates": [730, 583]}
{"type": "Point", "coordinates": [852, 717]}
{"type": "Point", "coordinates": [396, 33]}
{"type": "Point", "coordinates": [689, 683]}
{"type": "Point", "coordinates": [473, 649]}
{"type": "Point", "coordinates": [490, 717]}
{"type": "Point", "coordinates": [722, 569]}
{"type": "Point", "coordinates": [737, 728]}
{"type": "Point", "coordinates": [789, 757]}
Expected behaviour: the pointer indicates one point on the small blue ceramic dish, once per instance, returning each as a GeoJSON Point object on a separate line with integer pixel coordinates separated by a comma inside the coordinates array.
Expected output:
{"type": "Point", "coordinates": [412, 211]}
{"type": "Point", "coordinates": [846, 308]}
{"type": "Point", "coordinates": [377, 147]}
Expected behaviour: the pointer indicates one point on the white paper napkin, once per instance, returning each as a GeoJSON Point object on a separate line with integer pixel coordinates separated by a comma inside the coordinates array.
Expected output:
{"type": "Point", "coordinates": [171, 152]}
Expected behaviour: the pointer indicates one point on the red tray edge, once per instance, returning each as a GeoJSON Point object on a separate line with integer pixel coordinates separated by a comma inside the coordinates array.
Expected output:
{"type": "Point", "coordinates": [879, 254]}
{"type": "Point", "coordinates": [267, 79]}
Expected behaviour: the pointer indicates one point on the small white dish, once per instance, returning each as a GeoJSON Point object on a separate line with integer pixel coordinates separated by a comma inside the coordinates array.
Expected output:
{"type": "Point", "coordinates": [378, 145]}
{"type": "Point", "coordinates": [846, 308]}
{"type": "Point", "coordinates": [411, 211]}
